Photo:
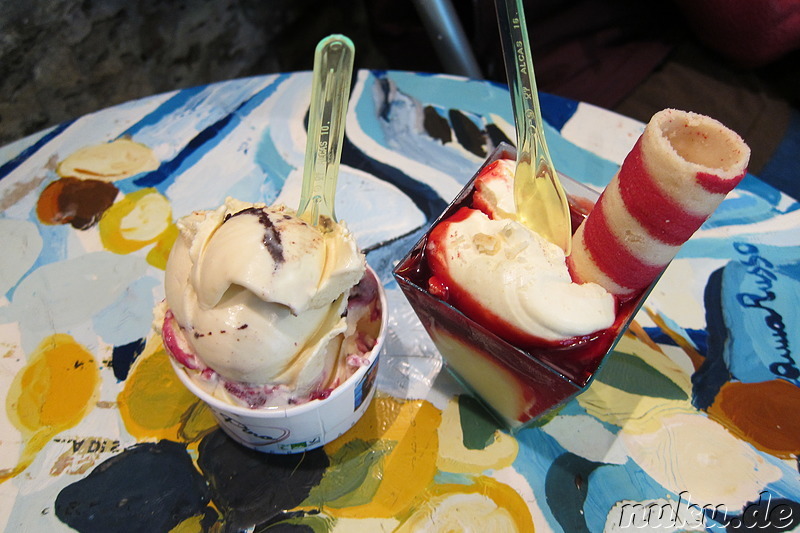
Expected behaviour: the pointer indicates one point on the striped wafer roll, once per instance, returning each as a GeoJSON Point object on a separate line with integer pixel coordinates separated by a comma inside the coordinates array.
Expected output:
{"type": "Point", "coordinates": [677, 174]}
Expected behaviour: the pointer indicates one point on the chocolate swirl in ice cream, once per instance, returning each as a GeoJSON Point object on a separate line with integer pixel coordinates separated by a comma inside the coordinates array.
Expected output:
{"type": "Point", "coordinates": [272, 238]}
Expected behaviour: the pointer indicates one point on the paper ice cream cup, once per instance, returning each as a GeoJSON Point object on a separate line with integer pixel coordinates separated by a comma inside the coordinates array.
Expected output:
{"type": "Point", "coordinates": [299, 428]}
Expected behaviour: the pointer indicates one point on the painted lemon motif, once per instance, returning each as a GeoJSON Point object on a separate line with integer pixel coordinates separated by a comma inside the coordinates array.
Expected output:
{"type": "Point", "coordinates": [486, 505]}
{"type": "Point", "coordinates": [110, 162]}
{"type": "Point", "coordinates": [54, 392]}
{"type": "Point", "coordinates": [141, 218]}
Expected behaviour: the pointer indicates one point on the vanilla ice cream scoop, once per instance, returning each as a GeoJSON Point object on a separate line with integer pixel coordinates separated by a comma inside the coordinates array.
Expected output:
{"type": "Point", "coordinates": [258, 296]}
{"type": "Point", "coordinates": [500, 272]}
{"type": "Point", "coordinates": [501, 269]}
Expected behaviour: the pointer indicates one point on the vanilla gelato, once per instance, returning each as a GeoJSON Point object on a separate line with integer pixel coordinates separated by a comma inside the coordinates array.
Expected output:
{"type": "Point", "coordinates": [495, 268]}
{"type": "Point", "coordinates": [256, 305]}
{"type": "Point", "coordinates": [521, 277]}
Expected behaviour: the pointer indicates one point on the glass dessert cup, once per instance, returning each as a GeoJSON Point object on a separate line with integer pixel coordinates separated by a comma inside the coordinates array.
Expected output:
{"type": "Point", "coordinates": [306, 426]}
{"type": "Point", "coordinates": [518, 384]}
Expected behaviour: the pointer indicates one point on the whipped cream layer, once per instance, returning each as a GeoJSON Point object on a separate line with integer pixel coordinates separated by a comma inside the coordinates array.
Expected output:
{"type": "Point", "coordinates": [258, 296]}
{"type": "Point", "coordinates": [513, 280]}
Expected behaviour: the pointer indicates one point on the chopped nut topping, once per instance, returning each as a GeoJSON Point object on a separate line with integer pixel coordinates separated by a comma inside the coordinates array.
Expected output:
{"type": "Point", "coordinates": [486, 244]}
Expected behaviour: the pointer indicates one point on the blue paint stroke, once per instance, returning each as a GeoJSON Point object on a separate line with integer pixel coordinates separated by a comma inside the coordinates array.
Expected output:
{"type": "Point", "coordinates": [122, 357]}
{"type": "Point", "coordinates": [62, 295]}
{"type": "Point", "coordinates": [556, 110]}
{"type": "Point", "coordinates": [401, 116]}
{"type": "Point", "coordinates": [449, 478]}
{"type": "Point", "coordinates": [730, 350]}
{"type": "Point", "coordinates": [12, 164]}
{"type": "Point", "coordinates": [708, 248]}
{"type": "Point", "coordinates": [130, 316]}
{"type": "Point", "coordinates": [205, 140]}
{"type": "Point", "coordinates": [747, 208]}
{"type": "Point", "coordinates": [759, 303]}
{"type": "Point", "coordinates": [423, 196]}
{"type": "Point", "coordinates": [566, 486]}
{"type": "Point", "coordinates": [788, 486]}
{"type": "Point", "coordinates": [713, 373]}
{"type": "Point", "coordinates": [22, 244]}
{"type": "Point", "coordinates": [537, 451]}
{"type": "Point", "coordinates": [55, 250]}
{"type": "Point", "coordinates": [677, 328]}
{"type": "Point", "coordinates": [761, 189]}
{"type": "Point", "coordinates": [578, 163]}
{"type": "Point", "coordinates": [166, 108]}
{"type": "Point", "coordinates": [698, 337]}
{"type": "Point", "coordinates": [276, 168]}
{"type": "Point", "coordinates": [611, 484]}
{"type": "Point", "coordinates": [367, 109]}
{"type": "Point", "coordinates": [473, 96]}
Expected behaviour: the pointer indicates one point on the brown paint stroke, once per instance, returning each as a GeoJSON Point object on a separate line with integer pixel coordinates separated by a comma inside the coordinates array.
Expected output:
{"type": "Point", "coordinates": [764, 414]}
{"type": "Point", "coordinates": [73, 201]}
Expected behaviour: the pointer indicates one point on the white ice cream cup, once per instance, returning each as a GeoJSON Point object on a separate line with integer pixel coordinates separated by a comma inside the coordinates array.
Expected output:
{"type": "Point", "coordinates": [303, 427]}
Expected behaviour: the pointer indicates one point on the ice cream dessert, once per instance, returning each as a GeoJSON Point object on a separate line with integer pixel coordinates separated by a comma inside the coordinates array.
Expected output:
{"type": "Point", "coordinates": [503, 275]}
{"type": "Point", "coordinates": [526, 328]}
{"type": "Point", "coordinates": [264, 310]}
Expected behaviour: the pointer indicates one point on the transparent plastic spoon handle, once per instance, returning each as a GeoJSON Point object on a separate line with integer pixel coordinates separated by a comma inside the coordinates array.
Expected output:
{"type": "Point", "coordinates": [330, 93]}
{"type": "Point", "coordinates": [540, 200]}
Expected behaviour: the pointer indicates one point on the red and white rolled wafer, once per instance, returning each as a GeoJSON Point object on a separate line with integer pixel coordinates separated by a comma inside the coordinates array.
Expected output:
{"type": "Point", "coordinates": [677, 174]}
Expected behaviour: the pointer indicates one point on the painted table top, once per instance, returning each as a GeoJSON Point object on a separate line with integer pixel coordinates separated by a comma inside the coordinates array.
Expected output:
{"type": "Point", "coordinates": [691, 424]}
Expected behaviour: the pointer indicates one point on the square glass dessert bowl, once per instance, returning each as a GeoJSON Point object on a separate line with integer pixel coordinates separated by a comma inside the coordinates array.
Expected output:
{"type": "Point", "coordinates": [518, 384]}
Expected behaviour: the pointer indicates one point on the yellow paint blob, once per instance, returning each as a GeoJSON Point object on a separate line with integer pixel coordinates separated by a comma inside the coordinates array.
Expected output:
{"type": "Point", "coordinates": [192, 524]}
{"type": "Point", "coordinates": [155, 405]}
{"type": "Point", "coordinates": [52, 393]}
{"type": "Point", "coordinates": [363, 525]}
{"type": "Point", "coordinates": [486, 505]}
{"type": "Point", "coordinates": [673, 443]}
{"type": "Point", "coordinates": [698, 458]}
{"type": "Point", "coordinates": [111, 161]}
{"type": "Point", "coordinates": [158, 254]}
{"type": "Point", "coordinates": [455, 457]}
{"type": "Point", "coordinates": [148, 214]}
{"type": "Point", "coordinates": [408, 469]}
{"type": "Point", "coordinates": [141, 218]}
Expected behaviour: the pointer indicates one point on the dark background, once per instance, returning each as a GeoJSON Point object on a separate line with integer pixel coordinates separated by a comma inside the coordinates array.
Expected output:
{"type": "Point", "coordinates": [61, 59]}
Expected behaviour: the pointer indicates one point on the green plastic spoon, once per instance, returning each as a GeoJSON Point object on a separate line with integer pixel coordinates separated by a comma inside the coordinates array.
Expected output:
{"type": "Point", "coordinates": [330, 93]}
{"type": "Point", "coordinates": [540, 200]}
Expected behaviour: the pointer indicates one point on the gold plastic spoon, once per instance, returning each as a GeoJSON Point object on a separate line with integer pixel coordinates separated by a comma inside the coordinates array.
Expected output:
{"type": "Point", "coordinates": [330, 93]}
{"type": "Point", "coordinates": [540, 200]}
